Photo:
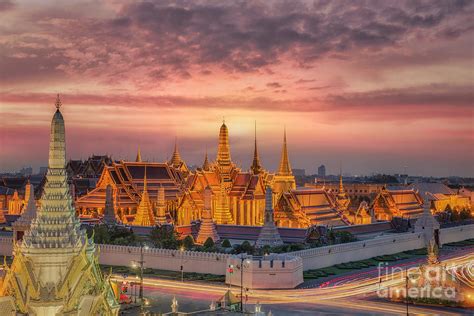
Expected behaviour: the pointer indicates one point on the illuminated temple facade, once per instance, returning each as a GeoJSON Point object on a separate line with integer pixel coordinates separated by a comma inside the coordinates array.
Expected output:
{"type": "Point", "coordinates": [173, 194]}
{"type": "Point", "coordinates": [55, 269]}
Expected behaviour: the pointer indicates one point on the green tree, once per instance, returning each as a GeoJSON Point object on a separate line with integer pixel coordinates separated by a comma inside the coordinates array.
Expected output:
{"type": "Point", "coordinates": [246, 247]}
{"type": "Point", "coordinates": [165, 237]}
{"type": "Point", "coordinates": [188, 242]}
{"type": "Point", "coordinates": [344, 237]}
{"type": "Point", "coordinates": [455, 216]}
{"type": "Point", "coordinates": [226, 243]}
{"type": "Point", "coordinates": [465, 214]}
{"type": "Point", "coordinates": [209, 243]}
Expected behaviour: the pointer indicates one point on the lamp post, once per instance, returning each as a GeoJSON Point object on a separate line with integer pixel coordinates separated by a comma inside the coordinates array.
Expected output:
{"type": "Point", "coordinates": [242, 282]}
{"type": "Point", "coordinates": [182, 262]}
{"type": "Point", "coordinates": [406, 290]}
{"type": "Point", "coordinates": [139, 264]}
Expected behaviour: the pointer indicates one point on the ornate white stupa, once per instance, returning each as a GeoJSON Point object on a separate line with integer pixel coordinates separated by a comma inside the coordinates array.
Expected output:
{"type": "Point", "coordinates": [269, 234]}
{"type": "Point", "coordinates": [109, 210]}
{"type": "Point", "coordinates": [55, 270]}
{"type": "Point", "coordinates": [208, 227]}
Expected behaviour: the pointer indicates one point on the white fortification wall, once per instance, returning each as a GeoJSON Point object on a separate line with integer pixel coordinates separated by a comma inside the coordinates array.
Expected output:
{"type": "Point", "coordinates": [384, 245]}
{"type": "Point", "coordinates": [315, 258]}
{"type": "Point", "coordinates": [165, 259]}
{"type": "Point", "coordinates": [273, 272]}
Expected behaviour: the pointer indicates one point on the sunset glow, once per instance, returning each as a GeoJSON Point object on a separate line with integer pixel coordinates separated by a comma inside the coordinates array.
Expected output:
{"type": "Point", "coordinates": [377, 87]}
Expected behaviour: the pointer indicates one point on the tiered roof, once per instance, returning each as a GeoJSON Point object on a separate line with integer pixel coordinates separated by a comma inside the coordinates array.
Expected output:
{"type": "Point", "coordinates": [128, 180]}
{"type": "Point", "coordinates": [405, 202]}
{"type": "Point", "coordinates": [315, 204]}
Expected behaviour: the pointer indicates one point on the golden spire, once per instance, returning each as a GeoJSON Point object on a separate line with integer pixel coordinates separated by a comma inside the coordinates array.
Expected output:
{"type": "Point", "coordinates": [144, 216]}
{"type": "Point", "coordinates": [341, 186]}
{"type": "Point", "coordinates": [223, 151]}
{"type": "Point", "coordinates": [256, 167]}
{"type": "Point", "coordinates": [285, 168]}
{"type": "Point", "coordinates": [205, 165]}
{"type": "Point", "coordinates": [176, 157]}
{"type": "Point", "coordinates": [139, 155]}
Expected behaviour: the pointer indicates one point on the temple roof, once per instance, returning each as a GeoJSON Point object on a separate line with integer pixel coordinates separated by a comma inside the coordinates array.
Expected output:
{"type": "Point", "coordinates": [128, 178]}
{"type": "Point", "coordinates": [316, 204]}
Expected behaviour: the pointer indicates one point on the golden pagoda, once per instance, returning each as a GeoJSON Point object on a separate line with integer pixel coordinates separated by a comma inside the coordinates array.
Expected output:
{"type": "Point", "coordinates": [284, 181]}
{"type": "Point", "coordinates": [55, 269]}
{"type": "Point", "coordinates": [224, 161]}
{"type": "Point", "coordinates": [342, 199]}
{"type": "Point", "coordinates": [176, 161]}
{"type": "Point", "coordinates": [144, 216]}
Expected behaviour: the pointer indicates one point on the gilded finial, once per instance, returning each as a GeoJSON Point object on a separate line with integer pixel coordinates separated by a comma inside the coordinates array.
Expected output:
{"type": "Point", "coordinates": [58, 102]}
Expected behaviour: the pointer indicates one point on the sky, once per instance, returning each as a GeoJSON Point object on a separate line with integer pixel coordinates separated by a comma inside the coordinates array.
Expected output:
{"type": "Point", "coordinates": [373, 86]}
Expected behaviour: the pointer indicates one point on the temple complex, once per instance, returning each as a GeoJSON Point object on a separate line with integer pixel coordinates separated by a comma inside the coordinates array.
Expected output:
{"type": "Point", "coordinates": [238, 196]}
{"type": "Point", "coordinates": [55, 267]}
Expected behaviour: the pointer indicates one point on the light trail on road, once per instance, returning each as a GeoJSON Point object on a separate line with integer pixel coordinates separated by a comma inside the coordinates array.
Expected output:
{"type": "Point", "coordinates": [346, 295]}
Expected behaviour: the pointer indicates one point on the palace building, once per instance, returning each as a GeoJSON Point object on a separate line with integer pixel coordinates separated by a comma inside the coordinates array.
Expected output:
{"type": "Point", "coordinates": [390, 203]}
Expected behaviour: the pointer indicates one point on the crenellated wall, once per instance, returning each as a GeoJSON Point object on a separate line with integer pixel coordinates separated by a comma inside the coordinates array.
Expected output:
{"type": "Point", "coordinates": [214, 263]}
{"type": "Point", "coordinates": [271, 272]}
{"type": "Point", "coordinates": [165, 259]}
{"type": "Point", "coordinates": [384, 245]}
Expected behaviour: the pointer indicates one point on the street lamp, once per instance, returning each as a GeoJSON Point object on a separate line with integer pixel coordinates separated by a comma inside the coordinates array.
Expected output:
{"type": "Point", "coordinates": [406, 290]}
{"type": "Point", "coordinates": [182, 267]}
{"type": "Point", "coordinates": [242, 281]}
{"type": "Point", "coordinates": [140, 263]}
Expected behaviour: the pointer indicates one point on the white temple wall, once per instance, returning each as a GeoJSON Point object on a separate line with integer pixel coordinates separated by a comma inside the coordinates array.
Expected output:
{"type": "Point", "coordinates": [164, 259]}
{"type": "Point", "coordinates": [322, 257]}
{"type": "Point", "coordinates": [265, 274]}
{"type": "Point", "coordinates": [315, 258]}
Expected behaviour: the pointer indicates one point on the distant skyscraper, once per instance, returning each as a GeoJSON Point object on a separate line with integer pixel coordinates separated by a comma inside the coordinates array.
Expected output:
{"type": "Point", "coordinates": [322, 171]}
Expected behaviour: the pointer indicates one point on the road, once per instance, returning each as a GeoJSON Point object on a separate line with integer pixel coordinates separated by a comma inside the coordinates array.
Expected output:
{"type": "Point", "coordinates": [355, 296]}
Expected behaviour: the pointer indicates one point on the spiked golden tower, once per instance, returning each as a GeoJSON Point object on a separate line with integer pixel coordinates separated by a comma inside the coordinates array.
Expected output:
{"type": "Point", "coordinates": [145, 216]}
{"type": "Point", "coordinates": [256, 166]}
{"type": "Point", "coordinates": [55, 270]}
{"type": "Point", "coordinates": [284, 180]}
{"type": "Point", "coordinates": [224, 161]}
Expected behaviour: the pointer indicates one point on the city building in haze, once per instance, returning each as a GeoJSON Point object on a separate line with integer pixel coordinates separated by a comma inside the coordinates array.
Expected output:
{"type": "Point", "coordinates": [322, 171]}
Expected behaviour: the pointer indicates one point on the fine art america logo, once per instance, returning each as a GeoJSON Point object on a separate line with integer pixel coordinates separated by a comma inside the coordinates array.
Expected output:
{"type": "Point", "coordinates": [430, 281]}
